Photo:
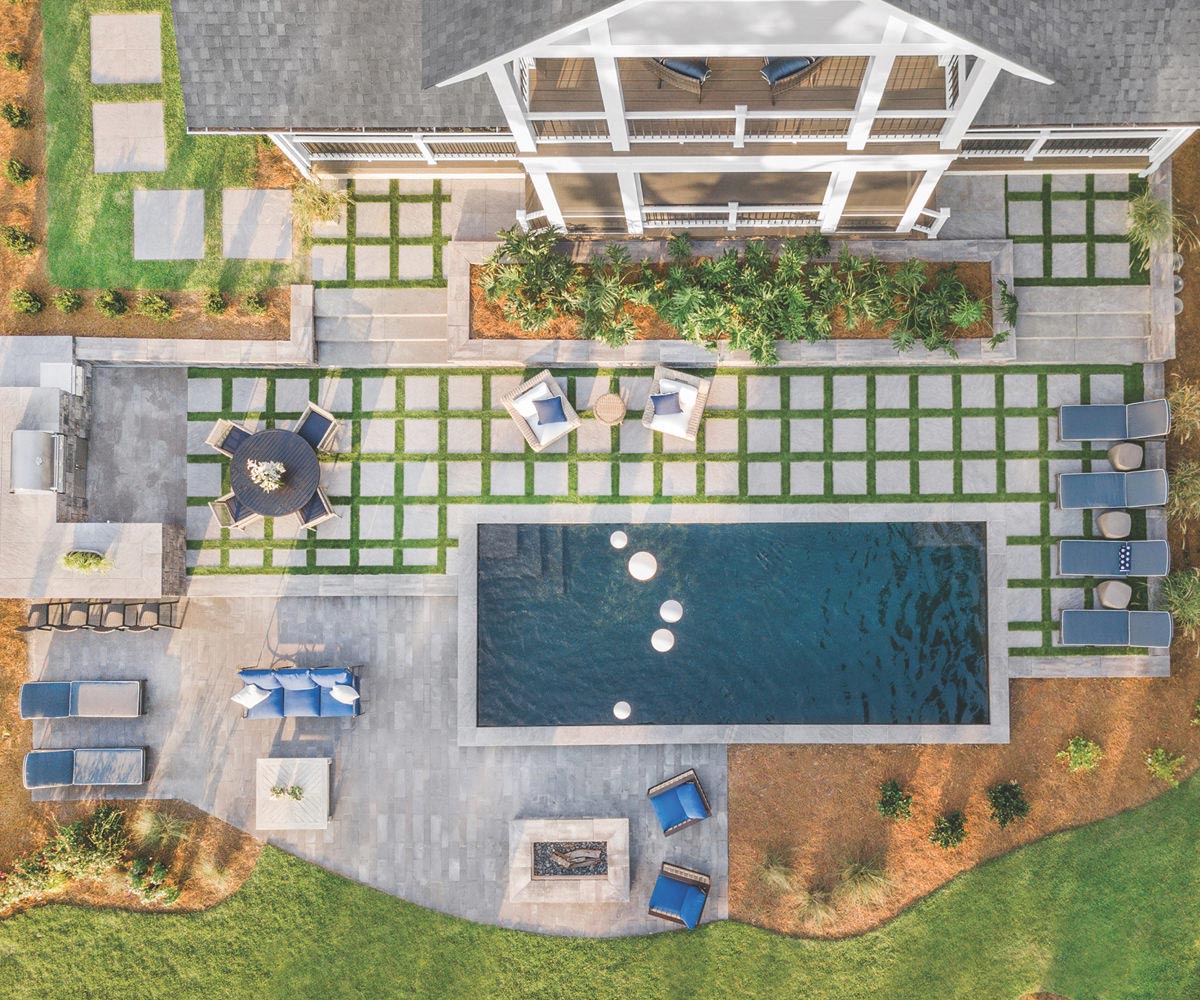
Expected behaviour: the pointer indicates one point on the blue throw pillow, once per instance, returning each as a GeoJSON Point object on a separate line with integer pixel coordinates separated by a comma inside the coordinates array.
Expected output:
{"type": "Point", "coordinates": [666, 403]}
{"type": "Point", "coordinates": [549, 411]}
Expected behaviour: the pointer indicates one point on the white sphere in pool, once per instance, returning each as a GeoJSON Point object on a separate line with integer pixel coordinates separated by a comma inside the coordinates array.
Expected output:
{"type": "Point", "coordinates": [642, 566]}
{"type": "Point", "coordinates": [622, 710]}
{"type": "Point", "coordinates": [671, 611]}
{"type": "Point", "coordinates": [663, 639]}
{"type": "Point", "coordinates": [618, 539]}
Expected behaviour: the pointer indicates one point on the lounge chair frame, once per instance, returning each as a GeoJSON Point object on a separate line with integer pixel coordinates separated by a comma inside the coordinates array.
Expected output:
{"type": "Point", "coordinates": [793, 80]}
{"type": "Point", "coordinates": [220, 433]}
{"type": "Point", "coordinates": [701, 385]}
{"type": "Point", "coordinates": [687, 777]}
{"type": "Point", "coordinates": [327, 515]}
{"type": "Point", "coordinates": [310, 410]}
{"type": "Point", "coordinates": [680, 81]}
{"type": "Point", "coordinates": [531, 438]}
{"type": "Point", "coordinates": [224, 514]}
{"type": "Point", "coordinates": [681, 874]}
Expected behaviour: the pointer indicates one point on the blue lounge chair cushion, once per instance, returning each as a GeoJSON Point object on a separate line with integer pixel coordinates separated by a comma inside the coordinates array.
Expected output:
{"type": "Point", "coordinates": [679, 804]}
{"type": "Point", "coordinates": [332, 708]}
{"type": "Point", "coordinates": [549, 411]}
{"type": "Point", "coordinates": [48, 768]}
{"type": "Point", "coordinates": [1096, 557]}
{"type": "Point", "coordinates": [681, 899]}
{"type": "Point", "coordinates": [235, 439]}
{"type": "Point", "coordinates": [46, 700]}
{"type": "Point", "coordinates": [1116, 628]}
{"type": "Point", "coordinates": [780, 69]}
{"type": "Point", "coordinates": [270, 708]}
{"type": "Point", "coordinates": [1154, 629]}
{"type": "Point", "coordinates": [1079, 490]}
{"type": "Point", "coordinates": [692, 68]}
{"type": "Point", "coordinates": [666, 403]}
{"type": "Point", "coordinates": [265, 679]}
{"type": "Point", "coordinates": [295, 679]}
{"type": "Point", "coordinates": [314, 428]}
{"type": "Point", "coordinates": [1092, 423]}
{"type": "Point", "coordinates": [1146, 488]}
{"type": "Point", "coordinates": [1147, 419]}
{"type": "Point", "coordinates": [302, 704]}
{"type": "Point", "coordinates": [327, 677]}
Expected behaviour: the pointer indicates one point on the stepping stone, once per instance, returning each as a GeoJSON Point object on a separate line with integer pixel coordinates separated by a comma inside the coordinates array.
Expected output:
{"type": "Point", "coordinates": [126, 48]}
{"type": "Point", "coordinates": [256, 224]}
{"type": "Point", "coordinates": [128, 137]}
{"type": "Point", "coordinates": [168, 225]}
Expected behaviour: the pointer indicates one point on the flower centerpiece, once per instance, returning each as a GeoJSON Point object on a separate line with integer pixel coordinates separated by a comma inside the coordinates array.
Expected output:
{"type": "Point", "coordinates": [267, 476]}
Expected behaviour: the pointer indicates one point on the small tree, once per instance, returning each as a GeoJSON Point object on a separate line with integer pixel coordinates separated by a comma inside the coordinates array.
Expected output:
{"type": "Point", "coordinates": [1081, 754]}
{"type": "Point", "coordinates": [1008, 803]}
{"type": "Point", "coordinates": [111, 303]}
{"type": "Point", "coordinates": [949, 831]}
{"type": "Point", "coordinates": [18, 172]}
{"type": "Point", "coordinates": [894, 802]}
{"type": "Point", "coordinates": [155, 306]}
{"type": "Point", "coordinates": [17, 240]}
{"type": "Point", "coordinates": [1164, 766]}
{"type": "Point", "coordinates": [24, 302]}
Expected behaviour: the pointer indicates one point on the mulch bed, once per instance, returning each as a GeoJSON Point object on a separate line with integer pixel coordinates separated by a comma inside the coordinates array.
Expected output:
{"type": "Point", "coordinates": [819, 801]}
{"type": "Point", "coordinates": [488, 322]}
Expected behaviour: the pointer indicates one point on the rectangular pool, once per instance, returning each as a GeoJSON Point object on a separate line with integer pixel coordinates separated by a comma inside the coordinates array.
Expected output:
{"type": "Point", "coordinates": [791, 624]}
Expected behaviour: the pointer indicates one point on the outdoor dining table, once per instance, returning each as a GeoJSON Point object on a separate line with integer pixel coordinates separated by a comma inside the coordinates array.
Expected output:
{"type": "Point", "coordinates": [300, 480]}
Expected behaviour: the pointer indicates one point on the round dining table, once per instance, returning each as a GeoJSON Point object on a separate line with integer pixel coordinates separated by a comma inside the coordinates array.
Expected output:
{"type": "Point", "coordinates": [301, 477]}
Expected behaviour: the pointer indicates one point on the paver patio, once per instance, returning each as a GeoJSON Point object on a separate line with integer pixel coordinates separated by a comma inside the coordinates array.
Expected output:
{"type": "Point", "coordinates": [168, 225]}
{"type": "Point", "coordinates": [126, 48]}
{"type": "Point", "coordinates": [128, 136]}
{"type": "Point", "coordinates": [256, 223]}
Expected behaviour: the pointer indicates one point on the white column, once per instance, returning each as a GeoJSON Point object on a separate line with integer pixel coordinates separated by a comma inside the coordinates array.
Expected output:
{"type": "Point", "coordinates": [631, 201]}
{"type": "Point", "coordinates": [836, 194]}
{"type": "Point", "coordinates": [294, 151]}
{"type": "Point", "coordinates": [879, 70]}
{"type": "Point", "coordinates": [610, 87]}
{"type": "Point", "coordinates": [545, 192]}
{"type": "Point", "coordinates": [920, 198]}
{"type": "Point", "coordinates": [970, 100]}
{"type": "Point", "coordinates": [509, 97]}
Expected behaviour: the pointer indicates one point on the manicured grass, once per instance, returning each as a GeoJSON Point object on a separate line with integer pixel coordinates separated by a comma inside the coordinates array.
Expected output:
{"type": "Point", "coordinates": [1105, 911]}
{"type": "Point", "coordinates": [91, 215]}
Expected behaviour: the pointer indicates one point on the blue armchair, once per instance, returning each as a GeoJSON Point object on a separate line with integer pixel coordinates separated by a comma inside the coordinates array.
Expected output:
{"type": "Point", "coordinates": [679, 895]}
{"type": "Point", "coordinates": [679, 802]}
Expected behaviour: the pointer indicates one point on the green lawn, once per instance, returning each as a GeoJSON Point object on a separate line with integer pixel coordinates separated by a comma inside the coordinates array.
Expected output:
{"type": "Point", "coordinates": [91, 216]}
{"type": "Point", "coordinates": [1108, 911]}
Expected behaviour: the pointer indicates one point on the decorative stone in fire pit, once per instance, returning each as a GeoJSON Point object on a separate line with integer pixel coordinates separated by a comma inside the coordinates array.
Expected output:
{"type": "Point", "coordinates": [568, 860]}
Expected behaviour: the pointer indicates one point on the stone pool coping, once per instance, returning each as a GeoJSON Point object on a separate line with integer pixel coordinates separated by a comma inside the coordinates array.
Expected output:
{"type": "Point", "coordinates": [992, 515]}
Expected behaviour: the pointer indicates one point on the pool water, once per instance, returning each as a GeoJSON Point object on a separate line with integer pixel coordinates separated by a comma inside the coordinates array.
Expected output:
{"type": "Point", "coordinates": [805, 624]}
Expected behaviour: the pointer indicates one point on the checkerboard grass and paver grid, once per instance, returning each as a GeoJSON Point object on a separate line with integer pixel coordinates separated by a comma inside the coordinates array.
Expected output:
{"type": "Point", "coordinates": [1069, 229]}
{"type": "Point", "coordinates": [391, 237]}
{"type": "Point", "coordinates": [413, 443]}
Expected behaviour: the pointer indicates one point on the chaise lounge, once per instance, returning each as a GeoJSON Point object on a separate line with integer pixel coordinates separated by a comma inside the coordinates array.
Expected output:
{"type": "Point", "coordinates": [679, 895]}
{"type": "Point", "coordinates": [81, 700]}
{"type": "Point", "coordinates": [296, 692]}
{"type": "Point", "coordinates": [541, 410]}
{"type": "Point", "coordinates": [1114, 422]}
{"type": "Point", "coordinates": [1116, 628]}
{"type": "Point", "coordinates": [1095, 490]}
{"type": "Point", "coordinates": [676, 403]}
{"type": "Point", "coordinates": [100, 766]}
{"type": "Point", "coordinates": [1093, 557]}
{"type": "Point", "coordinates": [679, 802]}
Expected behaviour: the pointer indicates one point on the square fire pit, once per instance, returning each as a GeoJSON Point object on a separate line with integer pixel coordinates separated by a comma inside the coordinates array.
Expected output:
{"type": "Point", "coordinates": [568, 861]}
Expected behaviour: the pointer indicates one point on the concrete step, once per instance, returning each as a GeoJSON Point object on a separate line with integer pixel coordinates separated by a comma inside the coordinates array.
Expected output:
{"type": "Point", "coordinates": [1090, 299]}
{"type": "Point", "coordinates": [379, 302]}
{"type": "Point", "coordinates": [366, 328]}
{"type": "Point", "coordinates": [382, 354]}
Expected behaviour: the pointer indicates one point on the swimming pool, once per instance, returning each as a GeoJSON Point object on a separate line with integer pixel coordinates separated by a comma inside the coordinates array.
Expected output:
{"type": "Point", "coordinates": [808, 624]}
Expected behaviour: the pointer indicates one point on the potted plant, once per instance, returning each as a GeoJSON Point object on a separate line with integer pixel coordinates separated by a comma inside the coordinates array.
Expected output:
{"type": "Point", "coordinates": [267, 476]}
{"type": "Point", "coordinates": [86, 561]}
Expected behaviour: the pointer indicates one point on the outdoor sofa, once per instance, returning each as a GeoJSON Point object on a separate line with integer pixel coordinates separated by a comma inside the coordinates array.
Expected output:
{"type": "Point", "coordinates": [679, 895]}
{"type": "Point", "coordinates": [679, 802]}
{"type": "Point", "coordinates": [541, 410]}
{"type": "Point", "coordinates": [1116, 628]}
{"type": "Point", "coordinates": [1095, 490]}
{"type": "Point", "coordinates": [99, 766]}
{"type": "Point", "coordinates": [1114, 422]}
{"type": "Point", "coordinates": [676, 403]}
{"type": "Point", "coordinates": [1093, 557]}
{"type": "Point", "coordinates": [297, 692]}
{"type": "Point", "coordinates": [81, 700]}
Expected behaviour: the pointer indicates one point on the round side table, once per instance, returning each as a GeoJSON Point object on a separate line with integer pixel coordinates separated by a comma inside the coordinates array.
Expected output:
{"type": "Point", "coordinates": [609, 409]}
{"type": "Point", "coordinates": [1125, 457]}
{"type": "Point", "coordinates": [1114, 524]}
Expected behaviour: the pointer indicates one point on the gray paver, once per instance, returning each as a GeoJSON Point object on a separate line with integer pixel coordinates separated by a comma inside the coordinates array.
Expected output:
{"type": "Point", "coordinates": [807, 478]}
{"type": "Point", "coordinates": [721, 479]}
{"type": "Point", "coordinates": [637, 479]}
{"type": "Point", "coordinates": [762, 393]}
{"type": "Point", "coordinates": [1069, 260]}
{"type": "Point", "coordinates": [372, 218]}
{"type": "Point", "coordinates": [421, 392]}
{"type": "Point", "coordinates": [594, 479]}
{"type": "Point", "coordinates": [936, 476]}
{"type": "Point", "coordinates": [1025, 218]}
{"type": "Point", "coordinates": [762, 435]}
{"type": "Point", "coordinates": [256, 223]}
{"type": "Point", "coordinates": [850, 478]}
{"type": "Point", "coordinates": [329, 263]}
{"type": "Point", "coordinates": [935, 433]}
{"type": "Point", "coordinates": [807, 392]}
{"type": "Point", "coordinates": [1028, 260]}
{"type": "Point", "coordinates": [893, 477]}
{"type": "Point", "coordinates": [978, 434]}
{"type": "Point", "coordinates": [849, 392]}
{"type": "Point", "coordinates": [416, 219]}
{"type": "Point", "coordinates": [763, 478]}
{"type": "Point", "coordinates": [849, 434]}
{"type": "Point", "coordinates": [549, 479]}
{"type": "Point", "coordinates": [1112, 260]}
{"type": "Point", "coordinates": [414, 262]}
{"type": "Point", "coordinates": [126, 48]}
{"type": "Point", "coordinates": [168, 225]}
{"type": "Point", "coordinates": [892, 433]}
{"type": "Point", "coordinates": [128, 136]}
{"type": "Point", "coordinates": [372, 263]}
{"type": "Point", "coordinates": [722, 436]}
{"type": "Point", "coordinates": [1068, 218]}
{"type": "Point", "coordinates": [935, 392]}
{"type": "Point", "coordinates": [1111, 218]}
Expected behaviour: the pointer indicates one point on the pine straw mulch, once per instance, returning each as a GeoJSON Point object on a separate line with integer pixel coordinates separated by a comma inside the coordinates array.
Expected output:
{"type": "Point", "coordinates": [819, 801]}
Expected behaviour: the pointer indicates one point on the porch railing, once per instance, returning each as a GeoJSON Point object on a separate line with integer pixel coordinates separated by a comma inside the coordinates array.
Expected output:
{"type": "Point", "coordinates": [1155, 144]}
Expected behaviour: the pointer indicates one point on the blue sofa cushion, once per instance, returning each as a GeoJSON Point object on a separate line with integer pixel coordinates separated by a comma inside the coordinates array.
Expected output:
{"type": "Point", "coordinates": [295, 679]}
{"type": "Point", "coordinates": [780, 69]}
{"type": "Point", "coordinates": [693, 68]}
{"type": "Point", "coordinates": [327, 677]}
{"type": "Point", "coordinates": [265, 679]}
{"type": "Point", "coordinates": [679, 804]}
{"type": "Point", "coordinates": [680, 899]}
{"type": "Point", "coordinates": [302, 704]}
{"type": "Point", "coordinates": [270, 708]}
{"type": "Point", "coordinates": [332, 708]}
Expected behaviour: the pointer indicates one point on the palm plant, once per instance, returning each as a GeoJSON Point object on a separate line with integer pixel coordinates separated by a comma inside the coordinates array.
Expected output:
{"type": "Point", "coordinates": [1152, 221]}
{"type": "Point", "coordinates": [532, 282]}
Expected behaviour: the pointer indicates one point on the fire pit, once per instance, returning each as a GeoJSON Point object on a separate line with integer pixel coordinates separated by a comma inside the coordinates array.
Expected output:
{"type": "Point", "coordinates": [568, 860]}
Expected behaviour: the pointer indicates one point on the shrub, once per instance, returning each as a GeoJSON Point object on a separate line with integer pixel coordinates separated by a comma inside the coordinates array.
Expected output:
{"type": "Point", "coordinates": [1164, 766]}
{"type": "Point", "coordinates": [1184, 397]}
{"type": "Point", "coordinates": [84, 561]}
{"type": "Point", "coordinates": [1195, 720]}
{"type": "Point", "coordinates": [862, 883]}
{"type": "Point", "coordinates": [157, 831]}
{"type": "Point", "coordinates": [155, 306]}
{"type": "Point", "coordinates": [313, 202]}
{"type": "Point", "coordinates": [254, 304]}
{"type": "Point", "coordinates": [18, 172]}
{"type": "Point", "coordinates": [1008, 803]}
{"type": "Point", "coordinates": [15, 114]}
{"type": "Point", "coordinates": [107, 835]}
{"type": "Point", "coordinates": [949, 830]}
{"type": "Point", "coordinates": [816, 908]}
{"type": "Point", "coordinates": [1183, 500]}
{"type": "Point", "coordinates": [150, 882]}
{"type": "Point", "coordinates": [13, 60]}
{"type": "Point", "coordinates": [67, 301]}
{"type": "Point", "coordinates": [1081, 754]}
{"type": "Point", "coordinates": [1181, 591]}
{"type": "Point", "coordinates": [17, 240]}
{"type": "Point", "coordinates": [215, 303]}
{"type": "Point", "coordinates": [111, 303]}
{"type": "Point", "coordinates": [1153, 220]}
{"type": "Point", "coordinates": [775, 869]}
{"type": "Point", "coordinates": [894, 802]}
{"type": "Point", "coordinates": [23, 302]}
